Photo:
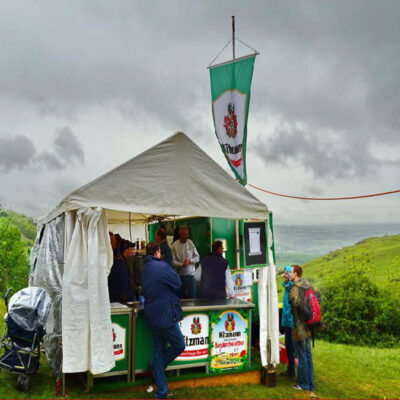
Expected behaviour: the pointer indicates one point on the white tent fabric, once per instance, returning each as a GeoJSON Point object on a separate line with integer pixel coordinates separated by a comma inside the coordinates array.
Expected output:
{"type": "Point", "coordinates": [268, 310]}
{"type": "Point", "coordinates": [173, 178]}
{"type": "Point", "coordinates": [86, 319]}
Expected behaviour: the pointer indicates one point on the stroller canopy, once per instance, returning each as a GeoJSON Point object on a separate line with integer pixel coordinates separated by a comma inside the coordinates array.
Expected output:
{"type": "Point", "coordinates": [29, 307]}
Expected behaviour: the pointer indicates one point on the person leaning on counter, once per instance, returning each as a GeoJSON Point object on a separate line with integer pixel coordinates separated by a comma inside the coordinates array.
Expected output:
{"type": "Point", "coordinates": [162, 312]}
{"type": "Point", "coordinates": [214, 274]}
{"type": "Point", "coordinates": [184, 258]}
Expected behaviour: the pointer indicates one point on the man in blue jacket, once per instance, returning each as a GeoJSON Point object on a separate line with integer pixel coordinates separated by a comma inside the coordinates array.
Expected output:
{"type": "Point", "coordinates": [287, 321]}
{"type": "Point", "coordinates": [162, 312]}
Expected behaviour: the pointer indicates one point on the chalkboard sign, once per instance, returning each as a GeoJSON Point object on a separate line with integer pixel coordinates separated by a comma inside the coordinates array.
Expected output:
{"type": "Point", "coordinates": [255, 244]}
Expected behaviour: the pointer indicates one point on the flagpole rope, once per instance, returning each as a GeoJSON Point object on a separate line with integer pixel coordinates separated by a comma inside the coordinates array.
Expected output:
{"type": "Point", "coordinates": [256, 51]}
{"type": "Point", "coordinates": [211, 63]}
{"type": "Point", "coordinates": [324, 198]}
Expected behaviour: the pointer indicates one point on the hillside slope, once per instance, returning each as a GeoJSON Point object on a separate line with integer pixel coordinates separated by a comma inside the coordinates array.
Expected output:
{"type": "Point", "coordinates": [26, 225]}
{"type": "Point", "coordinates": [380, 254]}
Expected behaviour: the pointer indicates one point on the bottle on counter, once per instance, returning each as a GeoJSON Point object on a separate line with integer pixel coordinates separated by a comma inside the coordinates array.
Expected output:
{"type": "Point", "coordinates": [137, 244]}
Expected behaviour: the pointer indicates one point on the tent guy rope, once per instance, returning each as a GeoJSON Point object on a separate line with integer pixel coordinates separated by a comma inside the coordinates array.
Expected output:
{"type": "Point", "coordinates": [324, 198]}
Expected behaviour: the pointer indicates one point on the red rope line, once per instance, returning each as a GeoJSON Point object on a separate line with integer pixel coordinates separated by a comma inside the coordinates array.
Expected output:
{"type": "Point", "coordinates": [324, 198]}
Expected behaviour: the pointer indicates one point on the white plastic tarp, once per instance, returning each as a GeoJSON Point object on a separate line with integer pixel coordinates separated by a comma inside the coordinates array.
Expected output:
{"type": "Point", "coordinates": [268, 310]}
{"type": "Point", "coordinates": [86, 318]}
{"type": "Point", "coordinates": [173, 178]}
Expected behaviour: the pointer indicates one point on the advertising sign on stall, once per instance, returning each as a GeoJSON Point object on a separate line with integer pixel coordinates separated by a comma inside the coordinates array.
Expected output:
{"type": "Point", "coordinates": [118, 342]}
{"type": "Point", "coordinates": [229, 341]}
{"type": "Point", "coordinates": [242, 284]}
{"type": "Point", "coordinates": [120, 332]}
{"type": "Point", "coordinates": [195, 331]}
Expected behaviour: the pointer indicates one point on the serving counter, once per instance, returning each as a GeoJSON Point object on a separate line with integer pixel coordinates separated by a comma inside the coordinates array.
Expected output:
{"type": "Point", "coordinates": [217, 335]}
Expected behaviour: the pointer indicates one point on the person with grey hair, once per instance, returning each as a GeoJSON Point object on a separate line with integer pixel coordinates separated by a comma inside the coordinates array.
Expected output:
{"type": "Point", "coordinates": [184, 258]}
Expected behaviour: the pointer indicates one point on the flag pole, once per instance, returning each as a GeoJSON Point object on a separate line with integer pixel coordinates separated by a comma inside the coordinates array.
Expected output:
{"type": "Point", "coordinates": [233, 36]}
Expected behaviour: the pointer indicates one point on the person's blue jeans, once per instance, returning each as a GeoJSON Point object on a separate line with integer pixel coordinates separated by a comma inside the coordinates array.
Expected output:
{"type": "Point", "coordinates": [163, 355]}
{"type": "Point", "coordinates": [305, 370]}
{"type": "Point", "coordinates": [289, 350]}
{"type": "Point", "coordinates": [188, 289]}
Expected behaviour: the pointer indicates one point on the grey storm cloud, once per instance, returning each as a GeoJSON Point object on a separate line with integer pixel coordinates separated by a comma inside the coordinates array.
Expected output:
{"type": "Point", "coordinates": [19, 152]}
{"type": "Point", "coordinates": [333, 65]}
{"type": "Point", "coordinates": [68, 147]}
{"type": "Point", "coordinates": [16, 152]}
{"type": "Point", "coordinates": [322, 155]}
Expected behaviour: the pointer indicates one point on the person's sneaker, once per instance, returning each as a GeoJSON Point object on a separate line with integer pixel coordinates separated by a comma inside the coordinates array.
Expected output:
{"type": "Point", "coordinates": [313, 395]}
{"type": "Point", "coordinates": [170, 395]}
{"type": "Point", "coordinates": [297, 387]}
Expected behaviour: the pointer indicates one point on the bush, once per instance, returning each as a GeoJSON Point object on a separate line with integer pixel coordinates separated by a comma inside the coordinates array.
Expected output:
{"type": "Point", "coordinates": [356, 311]}
{"type": "Point", "coordinates": [13, 258]}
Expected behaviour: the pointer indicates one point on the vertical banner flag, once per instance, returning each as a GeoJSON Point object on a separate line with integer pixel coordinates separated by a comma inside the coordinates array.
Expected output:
{"type": "Point", "coordinates": [230, 94]}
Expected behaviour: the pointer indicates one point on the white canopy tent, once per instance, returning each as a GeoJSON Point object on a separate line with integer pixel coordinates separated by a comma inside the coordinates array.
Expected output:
{"type": "Point", "coordinates": [174, 178]}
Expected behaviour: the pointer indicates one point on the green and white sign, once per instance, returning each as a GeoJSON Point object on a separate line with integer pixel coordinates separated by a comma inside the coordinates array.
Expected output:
{"type": "Point", "coordinates": [229, 341]}
{"type": "Point", "coordinates": [195, 331]}
{"type": "Point", "coordinates": [230, 93]}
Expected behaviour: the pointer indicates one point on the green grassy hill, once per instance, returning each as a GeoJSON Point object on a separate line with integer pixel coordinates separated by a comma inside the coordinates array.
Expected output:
{"type": "Point", "coordinates": [380, 254]}
{"type": "Point", "coordinates": [26, 225]}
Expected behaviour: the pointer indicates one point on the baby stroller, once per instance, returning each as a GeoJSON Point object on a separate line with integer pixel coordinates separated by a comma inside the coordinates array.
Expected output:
{"type": "Point", "coordinates": [26, 316]}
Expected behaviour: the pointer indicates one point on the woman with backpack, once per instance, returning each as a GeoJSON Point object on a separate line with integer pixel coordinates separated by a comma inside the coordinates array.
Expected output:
{"type": "Point", "coordinates": [301, 331]}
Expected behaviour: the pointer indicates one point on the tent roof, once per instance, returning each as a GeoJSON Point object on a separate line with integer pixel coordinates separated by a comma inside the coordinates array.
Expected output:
{"type": "Point", "coordinates": [173, 178]}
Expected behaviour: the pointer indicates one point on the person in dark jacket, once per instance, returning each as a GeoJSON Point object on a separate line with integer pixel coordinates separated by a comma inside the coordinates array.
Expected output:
{"type": "Point", "coordinates": [162, 312]}
{"type": "Point", "coordinates": [287, 322]}
{"type": "Point", "coordinates": [161, 238]}
{"type": "Point", "coordinates": [118, 281]}
{"type": "Point", "coordinates": [214, 274]}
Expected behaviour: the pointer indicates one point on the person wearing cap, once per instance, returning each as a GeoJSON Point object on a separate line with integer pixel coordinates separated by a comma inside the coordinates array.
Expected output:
{"type": "Point", "coordinates": [287, 322]}
{"type": "Point", "coordinates": [118, 279]}
{"type": "Point", "coordinates": [214, 274]}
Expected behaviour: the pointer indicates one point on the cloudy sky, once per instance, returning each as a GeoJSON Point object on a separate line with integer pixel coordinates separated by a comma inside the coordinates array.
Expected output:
{"type": "Point", "coordinates": [86, 85]}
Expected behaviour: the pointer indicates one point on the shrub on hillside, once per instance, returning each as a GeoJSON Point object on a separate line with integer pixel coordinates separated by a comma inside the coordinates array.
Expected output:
{"type": "Point", "coordinates": [13, 258]}
{"type": "Point", "coordinates": [356, 311]}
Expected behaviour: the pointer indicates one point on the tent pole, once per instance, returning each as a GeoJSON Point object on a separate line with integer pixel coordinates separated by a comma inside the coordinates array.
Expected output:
{"type": "Point", "coordinates": [237, 249]}
{"type": "Point", "coordinates": [130, 226]}
{"type": "Point", "coordinates": [233, 36]}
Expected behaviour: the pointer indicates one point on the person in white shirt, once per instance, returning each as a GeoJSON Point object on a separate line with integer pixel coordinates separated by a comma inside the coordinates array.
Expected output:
{"type": "Point", "coordinates": [184, 258]}
{"type": "Point", "coordinates": [214, 274]}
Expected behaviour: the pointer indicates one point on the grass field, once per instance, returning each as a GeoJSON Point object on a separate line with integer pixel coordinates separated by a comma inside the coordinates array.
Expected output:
{"type": "Point", "coordinates": [341, 371]}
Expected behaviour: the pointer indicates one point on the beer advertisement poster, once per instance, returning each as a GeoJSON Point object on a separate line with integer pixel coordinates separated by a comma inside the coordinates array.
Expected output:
{"type": "Point", "coordinates": [229, 341]}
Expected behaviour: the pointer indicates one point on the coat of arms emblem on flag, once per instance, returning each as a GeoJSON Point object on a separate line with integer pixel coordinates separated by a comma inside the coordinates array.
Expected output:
{"type": "Point", "coordinates": [230, 93]}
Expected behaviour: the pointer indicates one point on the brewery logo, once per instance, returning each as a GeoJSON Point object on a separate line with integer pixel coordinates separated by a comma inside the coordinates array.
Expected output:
{"type": "Point", "coordinates": [238, 280]}
{"type": "Point", "coordinates": [196, 326]}
{"type": "Point", "coordinates": [230, 323]}
{"type": "Point", "coordinates": [230, 121]}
